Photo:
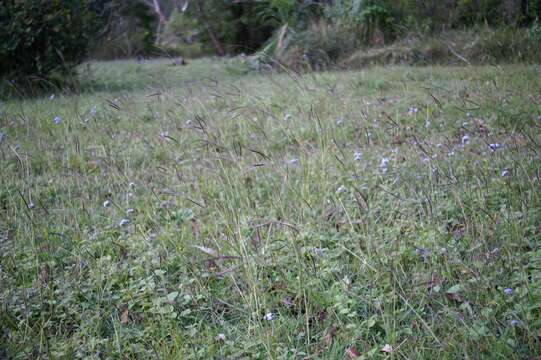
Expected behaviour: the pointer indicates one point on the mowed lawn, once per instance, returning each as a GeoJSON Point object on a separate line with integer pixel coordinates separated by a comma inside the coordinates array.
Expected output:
{"type": "Point", "coordinates": [211, 212]}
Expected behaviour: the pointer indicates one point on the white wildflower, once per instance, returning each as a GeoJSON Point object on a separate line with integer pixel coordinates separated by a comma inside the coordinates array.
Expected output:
{"type": "Point", "coordinates": [269, 316]}
{"type": "Point", "coordinates": [294, 160]}
{"type": "Point", "coordinates": [465, 139]}
{"type": "Point", "coordinates": [124, 222]}
{"type": "Point", "coordinates": [341, 189]}
{"type": "Point", "coordinates": [357, 155]}
{"type": "Point", "coordinates": [106, 203]}
{"type": "Point", "coordinates": [57, 120]}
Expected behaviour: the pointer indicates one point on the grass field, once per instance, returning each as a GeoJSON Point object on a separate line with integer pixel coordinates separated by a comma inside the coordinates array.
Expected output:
{"type": "Point", "coordinates": [208, 212]}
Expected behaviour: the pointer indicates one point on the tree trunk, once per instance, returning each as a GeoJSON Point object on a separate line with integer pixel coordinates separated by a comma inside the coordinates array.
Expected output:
{"type": "Point", "coordinates": [155, 5]}
{"type": "Point", "coordinates": [210, 29]}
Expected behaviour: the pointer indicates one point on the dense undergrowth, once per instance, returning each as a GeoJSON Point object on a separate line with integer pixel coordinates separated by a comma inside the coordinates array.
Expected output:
{"type": "Point", "coordinates": [385, 213]}
{"type": "Point", "coordinates": [325, 45]}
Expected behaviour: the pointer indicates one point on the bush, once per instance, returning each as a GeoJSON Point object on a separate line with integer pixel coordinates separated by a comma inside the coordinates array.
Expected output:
{"type": "Point", "coordinates": [44, 39]}
{"type": "Point", "coordinates": [323, 43]}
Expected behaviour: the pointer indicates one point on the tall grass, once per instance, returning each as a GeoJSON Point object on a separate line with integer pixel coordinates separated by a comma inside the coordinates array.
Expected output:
{"type": "Point", "coordinates": [390, 213]}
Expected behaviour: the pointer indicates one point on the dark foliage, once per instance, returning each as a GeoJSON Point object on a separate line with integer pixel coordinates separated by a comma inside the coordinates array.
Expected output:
{"type": "Point", "coordinates": [45, 39]}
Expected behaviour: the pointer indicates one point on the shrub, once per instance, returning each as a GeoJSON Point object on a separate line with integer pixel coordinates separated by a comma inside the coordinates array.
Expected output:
{"type": "Point", "coordinates": [45, 39]}
{"type": "Point", "coordinates": [323, 43]}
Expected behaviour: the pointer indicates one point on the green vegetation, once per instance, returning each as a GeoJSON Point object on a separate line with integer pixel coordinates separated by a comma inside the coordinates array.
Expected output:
{"type": "Point", "coordinates": [44, 39]}
{"type": "Point", "coordinates": [207, 212]}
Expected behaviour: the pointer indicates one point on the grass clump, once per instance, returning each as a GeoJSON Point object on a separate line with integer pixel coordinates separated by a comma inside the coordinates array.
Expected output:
{"type": "Point", "coordinates": [391, 212]}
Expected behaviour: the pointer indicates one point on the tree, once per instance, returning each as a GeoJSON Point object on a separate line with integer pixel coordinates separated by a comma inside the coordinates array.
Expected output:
{"type": "Point", "coordinates": [45, 39]}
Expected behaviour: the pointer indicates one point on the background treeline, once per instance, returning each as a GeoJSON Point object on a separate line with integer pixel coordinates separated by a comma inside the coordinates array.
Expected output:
{"type": "Point", "coordinates": [46, 38]}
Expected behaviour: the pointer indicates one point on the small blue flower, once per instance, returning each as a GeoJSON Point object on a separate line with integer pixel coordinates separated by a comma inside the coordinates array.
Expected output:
{"type": "Point", "coordinates": [57, 120]}
{"type": "Point", "coordinates": [508, 291]}
{"type": "Point", "coordinates": [357, 155]}
{"type": "Point", "coordinates": [269, 316]}
{"type": "Point", "coordinates": [494, 146]}
{"type": "Point", "coordinates": [2, 136]}
{"type": "Point", "coordinates": [93, 110]}
{"type": "Point", "coordinates": [515, 322]}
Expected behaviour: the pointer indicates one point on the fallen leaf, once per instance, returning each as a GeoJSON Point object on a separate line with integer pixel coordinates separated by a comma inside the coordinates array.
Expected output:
{"type": "Point", "coordinates": [453, 293]}
{"type": "Point", "coordinates": [287, 302]}
{"type": "Point", "coordinates": [125, 317]}
{"type": "Point", "coordinates": [331, 332]}
{"type": "Point", "coordinates": [455, 297]}
{"type": "Point", "coordinates": [225, 271]}
{"type": "Point", "coordinates": [352, 353]}
{"type": "Point", "coordinates": [208, 251]}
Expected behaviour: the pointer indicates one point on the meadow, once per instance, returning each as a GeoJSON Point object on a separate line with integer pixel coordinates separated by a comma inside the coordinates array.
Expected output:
{"type": "Point", "coordinates": [209, 211]}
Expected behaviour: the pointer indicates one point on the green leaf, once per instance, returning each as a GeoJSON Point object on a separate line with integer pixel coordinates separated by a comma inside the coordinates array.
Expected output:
{"type": "Point", "coordinates": [454, 289]}
{"type": "Point", "coordinates": [172, 296]}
